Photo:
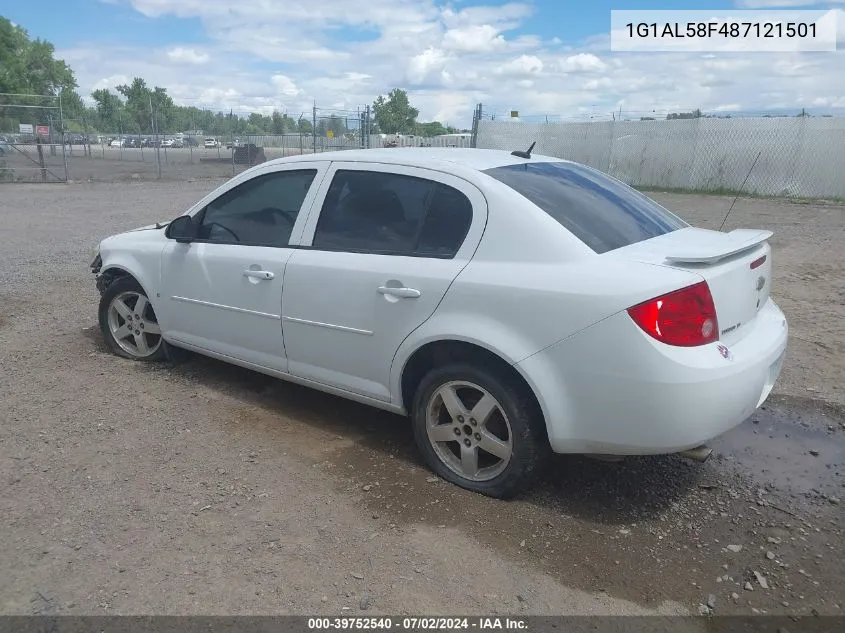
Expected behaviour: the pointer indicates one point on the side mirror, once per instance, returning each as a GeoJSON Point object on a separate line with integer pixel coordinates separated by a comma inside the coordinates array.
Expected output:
{"type": "Point", "coordinates": [182, 229]}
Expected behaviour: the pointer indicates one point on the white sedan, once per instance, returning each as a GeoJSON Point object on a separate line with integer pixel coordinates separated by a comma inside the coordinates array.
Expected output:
{"type": "Point", "coordinates": [511, 305]}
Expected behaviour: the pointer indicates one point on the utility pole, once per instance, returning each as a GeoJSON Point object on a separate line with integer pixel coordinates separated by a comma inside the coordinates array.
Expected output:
{"type": "Point", "coordinates": [367, 126]}
{"type": "Point", "coordinates": [155, 132]}
{"type": "Point", "coordinates": [314, 128]}
{"type": "Point", "coordinates": [62, 125]}
{"type": "Point", "coordinates": [476, 118]}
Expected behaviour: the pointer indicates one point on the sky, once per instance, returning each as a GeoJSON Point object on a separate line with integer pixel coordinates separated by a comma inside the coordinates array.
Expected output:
{"type": "Point", "coordinates": [539, 57]}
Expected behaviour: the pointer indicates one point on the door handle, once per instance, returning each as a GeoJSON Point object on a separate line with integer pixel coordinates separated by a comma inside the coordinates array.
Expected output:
{"type": "Point", "coordinates": [405, 293]}
{"type": "Point", "coordinates": [258, 274]}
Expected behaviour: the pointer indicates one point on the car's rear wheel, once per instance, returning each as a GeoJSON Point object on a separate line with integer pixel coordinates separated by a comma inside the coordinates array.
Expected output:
{"type": "Point", "coordinates": [479, 429]}
{"type": "Point", "coordinates": [129, 323]}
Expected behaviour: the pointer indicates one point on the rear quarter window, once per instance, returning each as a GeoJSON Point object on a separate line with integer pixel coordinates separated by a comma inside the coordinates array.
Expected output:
{"type": "Point", "coordinates": [601, 211]}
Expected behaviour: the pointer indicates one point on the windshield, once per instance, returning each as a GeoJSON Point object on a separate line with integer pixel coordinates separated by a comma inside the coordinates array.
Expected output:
{"type": "Point", "coordinates": [601, 211]}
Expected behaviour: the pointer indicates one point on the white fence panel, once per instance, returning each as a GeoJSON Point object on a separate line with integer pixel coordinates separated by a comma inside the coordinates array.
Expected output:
{"type": "Point", "coordinates": [799, 156]}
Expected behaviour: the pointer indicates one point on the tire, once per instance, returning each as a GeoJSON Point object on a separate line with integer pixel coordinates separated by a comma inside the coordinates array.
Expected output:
{"type": "Point", "coordinates": [117, 314]}
{"type": "Point", "coordinates": [514, 419]}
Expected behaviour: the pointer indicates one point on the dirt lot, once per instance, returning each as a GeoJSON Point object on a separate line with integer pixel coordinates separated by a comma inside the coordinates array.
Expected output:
{"type": "Point", "coordinates": [204, 488]}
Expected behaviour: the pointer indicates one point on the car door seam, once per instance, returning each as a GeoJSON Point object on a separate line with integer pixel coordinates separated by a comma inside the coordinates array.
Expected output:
{"type": "Point", "coordinates": [294, 248]}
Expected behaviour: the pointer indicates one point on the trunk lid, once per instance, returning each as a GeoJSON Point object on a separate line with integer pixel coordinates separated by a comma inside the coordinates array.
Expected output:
{"type": "Point", "coordinates": [730, 263]}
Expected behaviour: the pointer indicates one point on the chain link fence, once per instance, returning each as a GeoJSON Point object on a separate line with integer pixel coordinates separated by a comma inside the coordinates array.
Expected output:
{"type": "Point", "coordinates": [37, 144]}
{"type": "Point", "coordinates": [134, 152]}
{"type": "Point", "coordinates": [799, 157]}
{"type": "Point", "coordinates": [31, 148]}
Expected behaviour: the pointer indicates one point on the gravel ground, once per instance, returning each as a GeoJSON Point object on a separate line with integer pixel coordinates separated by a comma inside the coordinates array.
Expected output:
{"type": "Point", "coordinates": [204, 488]}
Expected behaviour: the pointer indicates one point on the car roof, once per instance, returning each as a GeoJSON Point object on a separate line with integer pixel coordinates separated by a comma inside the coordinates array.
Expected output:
{"type": "Point", "coordinates": [474, 159]}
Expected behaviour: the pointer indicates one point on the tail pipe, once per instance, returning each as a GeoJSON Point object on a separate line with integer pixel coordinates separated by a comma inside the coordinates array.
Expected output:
{"type": "Point", "coordinates": [699, 453]}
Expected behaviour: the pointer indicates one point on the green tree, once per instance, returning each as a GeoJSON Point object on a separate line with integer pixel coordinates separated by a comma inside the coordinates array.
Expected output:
{"type": "Point", "coordinates": [108, 108]}
{"type": "Point", "coordinates": [139, 99]}
{"type": "Point", "coordinates": [257, 123]}
{"type": "Point", "coordinates": [333, 123]}
{"type": "Point", "coordinates": [72, 105]}
{"type": "Point", "coordinates": [695, 114]}
{"type": "Point", "coordinates": [137, 106]}
{"type": "Point", "coordinates": [279, 123]}
{"type": "Point", "coordinates": [166, 112]}
{"type": "Point", "coordinates": [432, 128]}
{"type": "Point", "coordinates": [28, 66]}
{"type": "Point", "coordinates": [395, 115]}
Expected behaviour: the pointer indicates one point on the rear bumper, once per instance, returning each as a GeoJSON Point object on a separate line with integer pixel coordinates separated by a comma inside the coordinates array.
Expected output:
{"type": "Point", "coordinates": [613, 389]}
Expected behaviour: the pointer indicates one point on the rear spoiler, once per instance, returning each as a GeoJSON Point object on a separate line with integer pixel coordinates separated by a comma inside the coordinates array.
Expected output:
{"type": "Point", "coordinates": [719, 246]}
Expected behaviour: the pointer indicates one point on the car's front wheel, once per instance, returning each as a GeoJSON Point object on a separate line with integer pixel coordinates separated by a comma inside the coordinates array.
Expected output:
{"type": "Point", "coordinates": [479, 429]}
{"type": "Point", "coordinates": [129, 323]}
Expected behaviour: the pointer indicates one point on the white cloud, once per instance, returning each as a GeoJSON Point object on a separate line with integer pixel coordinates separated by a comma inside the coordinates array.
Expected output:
{"type": "Point", "coordinates": [829, 102]}
{"type": "Point", "coordinates": [598, 84]}
{"type": "Point", "coordinates": [421, 66]}
{"type": "Point", "coordinates": [474, 39]}
{"type": "Point", "coordinates": [509, 14]}
{"type": "Point", "coordinates": [522, 65]}
{"type": "Point", "coordinates": [581, 63]}
{"type": "Point", "coordinates": [272, 55]}
{"type": "Point", "coordinates": [285, 85]}
{"type": "Point", "coordinates": [182, 55]}
{"type": "Point", "coordinates": [110, 82]}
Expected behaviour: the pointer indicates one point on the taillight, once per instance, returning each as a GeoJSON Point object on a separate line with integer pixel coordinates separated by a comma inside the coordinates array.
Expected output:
{"type": "Point", "coordinates": [685, 317]}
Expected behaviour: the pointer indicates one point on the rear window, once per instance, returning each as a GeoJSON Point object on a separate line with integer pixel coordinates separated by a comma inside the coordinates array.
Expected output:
{"type": "Point", "coordinates": [599, 210]}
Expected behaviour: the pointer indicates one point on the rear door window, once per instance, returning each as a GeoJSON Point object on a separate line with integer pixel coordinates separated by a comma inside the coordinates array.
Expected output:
{"type": "Point", "coordinates": [601, 211]}
{"type": "Point", "coordinates": [392, 214]}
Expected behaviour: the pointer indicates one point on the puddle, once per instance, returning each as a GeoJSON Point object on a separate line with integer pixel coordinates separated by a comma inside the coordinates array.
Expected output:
{"type": "Point", "coordinates": [795, 445]}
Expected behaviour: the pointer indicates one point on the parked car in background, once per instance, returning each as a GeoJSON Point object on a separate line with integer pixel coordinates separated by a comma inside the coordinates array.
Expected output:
{"type": "Point", "coordinates": [512, 305]}
{"type": "Point", "coordinates": [233, 144]}
{"type": "Point", "coordinates": [190, 141]}
{"type": "Point", "coordinates": [168, 142]}
{"type": "Point", "coordinates": [211, 143]}
{"type": "Point", "coordinates": [118, 142]}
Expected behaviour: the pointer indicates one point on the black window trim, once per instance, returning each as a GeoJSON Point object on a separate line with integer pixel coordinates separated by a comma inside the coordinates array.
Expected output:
{"type": "Point", "coordinates": [418, 236]}
{"type": "Point", "coordinates": [199, 216]}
